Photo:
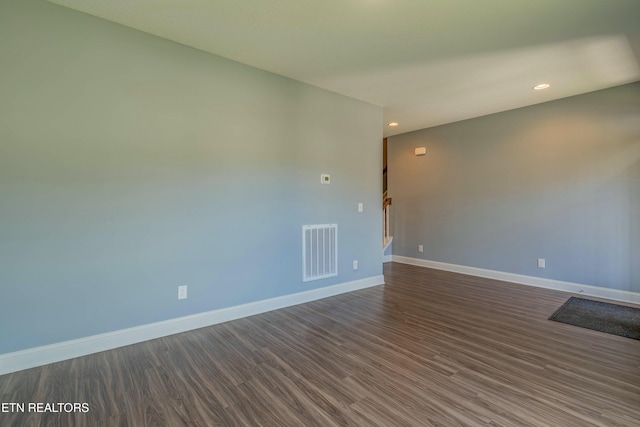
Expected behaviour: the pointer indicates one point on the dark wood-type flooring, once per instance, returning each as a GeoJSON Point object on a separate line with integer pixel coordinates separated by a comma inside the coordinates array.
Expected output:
{"type": "Point", "coordinates": [428, 348]}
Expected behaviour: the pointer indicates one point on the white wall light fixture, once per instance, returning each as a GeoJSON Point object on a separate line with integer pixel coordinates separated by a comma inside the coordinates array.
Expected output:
{"type": "Point", "coordinates": [420, 151]}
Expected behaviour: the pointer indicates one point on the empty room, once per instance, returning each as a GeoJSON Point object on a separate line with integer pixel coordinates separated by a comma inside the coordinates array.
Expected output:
{"type": "Point", "coordinates": [327, 213]}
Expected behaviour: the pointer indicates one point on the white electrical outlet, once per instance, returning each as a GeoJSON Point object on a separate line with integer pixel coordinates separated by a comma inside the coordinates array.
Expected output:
{"type": "Point", "coordinates": [360, 207]}
{"type": "Point", "coordinates": [355, 264]}
{"type": "Point", "coordinates": [420, 248]}
{"type": "Point", "coordinates": [541, 263]}
{"type": "Point", "coordinates": [182, 292]}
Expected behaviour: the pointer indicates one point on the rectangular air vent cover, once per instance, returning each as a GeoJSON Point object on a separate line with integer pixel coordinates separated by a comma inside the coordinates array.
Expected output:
{"type": "Point", "coordinates": [319, 251]}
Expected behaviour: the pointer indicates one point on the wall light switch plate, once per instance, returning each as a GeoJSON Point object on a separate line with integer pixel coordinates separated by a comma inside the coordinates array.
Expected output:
{"type": "Point", "coordinates": [182, 292]}
{"type": "Point", "coordinates": [360, 207]}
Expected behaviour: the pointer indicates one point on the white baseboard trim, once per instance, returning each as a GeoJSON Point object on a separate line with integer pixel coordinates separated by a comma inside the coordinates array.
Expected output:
{"type": "Point", "coordinates": [387, 258]}
{"type": "Point", "coordinates": [577, 288]}
{"type": "Point", "coordinates": [38, 356]}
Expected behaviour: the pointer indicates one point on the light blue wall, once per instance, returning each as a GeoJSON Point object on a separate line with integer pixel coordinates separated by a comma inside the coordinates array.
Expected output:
{"type": "Point", "coordinates": [559, 181]}
{"type": "Point", "coordinates": [130, 165]}
{"type": "Point", "coordinates": [388, 250]}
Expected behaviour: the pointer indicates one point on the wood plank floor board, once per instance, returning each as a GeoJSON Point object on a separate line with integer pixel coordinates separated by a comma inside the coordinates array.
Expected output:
{"type": "Point", "coordinates": [484, 370]}
{"type": "Point", "coordinates": [429, 348]}
{"type": "Point", "coordinates": [402, 394]}
{"type": "Point", "coordinates": [531, 402]}
{"type": "Point", "coordinates": [330, 402]}
{"type": "Point", "coordinates": [321, 375]}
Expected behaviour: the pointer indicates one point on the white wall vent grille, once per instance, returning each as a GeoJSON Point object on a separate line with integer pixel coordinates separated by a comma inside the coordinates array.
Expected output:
{"type": "Point", "coordinates": [319, 251]}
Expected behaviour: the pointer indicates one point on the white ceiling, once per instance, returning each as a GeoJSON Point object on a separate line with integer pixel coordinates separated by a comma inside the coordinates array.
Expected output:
{"type": "Point", "coordinates": [425, 62]}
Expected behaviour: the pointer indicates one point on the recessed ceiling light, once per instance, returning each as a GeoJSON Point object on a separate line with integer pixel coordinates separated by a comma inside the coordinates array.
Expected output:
{"type": "Point", "coordinates": [541, 86]}
{"type": "Point", "coordinates": [393, 124]}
